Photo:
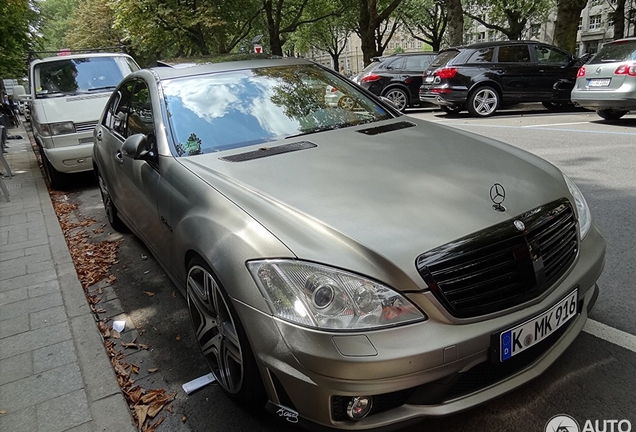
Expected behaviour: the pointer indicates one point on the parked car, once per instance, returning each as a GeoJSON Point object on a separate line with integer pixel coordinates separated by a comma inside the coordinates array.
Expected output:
{"type": "Point", "coordinates": [66, 97]}
{"type": "Point", "coordinates": [353, 268]}
{"type": "Point", "coordinates": [607, 83]}
{"type": "Point", "coordinates": [482, 77]}
{"type": "Point", "coordinates": [335, 98]}
{"type": "Point", "coordinates": [397, 77]}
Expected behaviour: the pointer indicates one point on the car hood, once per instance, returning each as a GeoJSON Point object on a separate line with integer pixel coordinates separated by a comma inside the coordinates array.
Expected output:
{"type": "Point", "coordinates": [373, 203]}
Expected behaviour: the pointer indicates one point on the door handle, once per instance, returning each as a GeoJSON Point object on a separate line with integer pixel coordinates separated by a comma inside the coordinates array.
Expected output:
{"type": "Point", "coordinates": [119, 156]}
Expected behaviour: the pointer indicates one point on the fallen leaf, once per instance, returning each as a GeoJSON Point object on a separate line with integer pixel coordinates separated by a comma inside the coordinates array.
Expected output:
{"type": "Point", "coordinates": [135, 369]}
{"type": "Point", "coordinates": [183, 419]}
{"type": "Point", "coordinates": [149, 293]}
{"type": "Point", "coordinates": [129, 345]}
{"type": "Point", "coordinates": [141, 411]}
{"type": "Point", "coordinates": [144, 346]}
{"type": "Point", "coordinates": [153, 370]}
{"type": "Point", "coordinates": [3, 412]}
{"type": "Point", "coordinates": [116, 334]}
{"type": "Point", "coordinates": [174, 294]}
{"type": "Point", "coordinates": [178, 337]}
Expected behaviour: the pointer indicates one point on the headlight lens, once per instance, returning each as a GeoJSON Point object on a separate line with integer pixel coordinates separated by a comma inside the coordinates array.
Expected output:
{"type": "Point", "coordinates": [583, 210]}
{"type": "Point", "coordinates": [58, 128]}
{"type": "Point", "coordinates": [322, 297]}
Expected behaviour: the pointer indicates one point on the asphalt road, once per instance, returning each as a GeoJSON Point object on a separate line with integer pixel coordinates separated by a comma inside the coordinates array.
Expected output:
{"type": "Point", "coordinates": [594, 380]}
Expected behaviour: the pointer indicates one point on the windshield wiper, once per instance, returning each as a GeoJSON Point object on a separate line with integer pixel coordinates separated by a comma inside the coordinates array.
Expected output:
{"type": "Point", "coordinates": [110, 87]}
{"type": "Point", "coordinates": [313, 130]}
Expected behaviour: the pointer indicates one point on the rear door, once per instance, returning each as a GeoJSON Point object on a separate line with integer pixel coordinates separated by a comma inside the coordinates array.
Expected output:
{"type": "Point", "coordinates": [557, 72]}
{"type": "Point", "coordinates": [519, 76]}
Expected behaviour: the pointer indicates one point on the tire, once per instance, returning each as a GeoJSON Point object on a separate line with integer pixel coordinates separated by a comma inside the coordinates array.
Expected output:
{"type": "Point", "coordinates": [56, 179]}
{"type": "Point", "coordinates": [555, 106]}
{"type": "Point", "coordinates": [109, 206]}
{"type": "Point", "coordinates": [398, 97]}
{"type": "Point", "coordinates": [221, 336]}
{"type": "Point", "coordinates": [483, 102]}
{"type": "Point", "coordinates": [451, 110]}
{"type": "Point", "coordinates": [611, 114]}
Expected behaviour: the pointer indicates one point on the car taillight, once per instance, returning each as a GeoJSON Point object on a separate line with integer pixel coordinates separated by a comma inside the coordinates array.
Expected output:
{"type": "Point", "coordinates": [581, 72]}
{"type": "Point", "coordinates": [445, 73]}
{"type": "Point", "coordinates": [370, 78]}
{"type": "Point", "coordinates": [333, 89]}
{"type": "Point", "coordinates": [626, 69]}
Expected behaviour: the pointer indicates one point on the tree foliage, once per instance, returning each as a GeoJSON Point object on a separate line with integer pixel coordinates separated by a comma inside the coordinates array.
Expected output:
{"type": "Point", "coordinates": [425, 20]}
{"type": "Point", "coordinates": [56, 25]}
{"type": "Point", "coordinates": [510, 17]}
{"type": "Point", "coordinates": [330, 35]}
{"type": "Point", "coordinates": [567, 23]}
{"type": "Point", "coordinates": [92, 26]}
{"type": "Point", "coordinates": [18, 34]}
{"type": "Point", "coordinates": [374, 26]}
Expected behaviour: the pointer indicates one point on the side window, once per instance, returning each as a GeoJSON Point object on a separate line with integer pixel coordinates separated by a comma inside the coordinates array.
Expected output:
{"type": "Point", "coordinates": [418, 62]}
{"type": "Point", "coordinates": [120, 109]}
{"type": "Point", "coordinates": [514, 54]}
{"type": "Point", "coordinates": [140, 119]}
{"type": "Point", "coordinates": [483, 55]}
{"type": "Point", "coordinates": [396, 64]}
{"type": "Point", "coordinates": [548, 55]}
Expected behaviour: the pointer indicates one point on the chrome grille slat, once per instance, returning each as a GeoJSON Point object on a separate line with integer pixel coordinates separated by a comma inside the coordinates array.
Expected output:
{"type": "Point", "coordinates": [85, 126]}
{"type": "Point", "coordinates": [500, 267]}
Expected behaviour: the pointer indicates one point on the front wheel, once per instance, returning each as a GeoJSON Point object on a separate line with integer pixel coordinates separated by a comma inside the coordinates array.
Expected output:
{"type": "Point", "coordinates": [398, 98]}
{"type": "Point", "coordinates": [221, 336]}
{"type": "Point", "coordinates": [483, 102]}
{"type": "Point", "coordinates": [611, 114]}
{"type": "Point", "coordinates": [109, 206]}
{"type": "Point", "coordinates": [56, 179]}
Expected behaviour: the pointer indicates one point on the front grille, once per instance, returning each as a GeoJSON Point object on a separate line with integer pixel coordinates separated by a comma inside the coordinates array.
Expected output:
{"type": "Point", "coordinates": [85, 126]}
{"type": "Point", "coordinates": [501, 267]}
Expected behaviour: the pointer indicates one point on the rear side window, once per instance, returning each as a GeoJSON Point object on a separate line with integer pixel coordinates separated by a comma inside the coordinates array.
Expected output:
{"type": "Point", "coordinates": [514, 54]}
{"type": "Point", "coordinates": [418, 62]}
{"type": "Point", "coordinates": [392, 64]}
{"type": "Point", "coordinates": [616, 52]}
{"type": "Point", "coordinates": [443, 58]}
{"type": "Point", "coordinates": [483, 55]}
{"type": "Point", "coordinates": [548, 55]}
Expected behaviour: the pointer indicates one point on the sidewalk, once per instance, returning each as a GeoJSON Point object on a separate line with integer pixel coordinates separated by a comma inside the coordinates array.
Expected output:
{"type": "Point", "coordinates": [55, 374]}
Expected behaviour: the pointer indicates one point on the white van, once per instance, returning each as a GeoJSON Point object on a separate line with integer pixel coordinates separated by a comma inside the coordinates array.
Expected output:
{"type": "Point", "coordinates": [67, 96]}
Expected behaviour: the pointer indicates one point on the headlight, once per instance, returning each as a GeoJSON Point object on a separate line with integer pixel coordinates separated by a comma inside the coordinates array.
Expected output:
{"type": "Point", "coordinates": [58, 128]}
{"type": "Point", "coordinates": [322, 297]}
{"type": "Point", "coordinates": [583, 210]}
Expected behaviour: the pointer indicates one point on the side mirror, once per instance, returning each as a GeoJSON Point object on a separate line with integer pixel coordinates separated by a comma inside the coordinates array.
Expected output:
{"type": "Point", "coordinates": [136, 147]}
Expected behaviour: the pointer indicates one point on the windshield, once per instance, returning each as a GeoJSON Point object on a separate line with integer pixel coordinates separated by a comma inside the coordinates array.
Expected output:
{"type": "Point", "coordinates": [80, 75]}
{"type": "Point", "coordinates": [220, 111]}
{"type": "Point", "coordinates": [616, 52]}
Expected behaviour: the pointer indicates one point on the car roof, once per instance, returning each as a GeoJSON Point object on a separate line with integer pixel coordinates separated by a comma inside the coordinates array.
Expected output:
{"type": "Point", "coordinates": [493, 44]}
{"type": "Point", "coordinates": [190, 67]}
{"type": "Point", "coordinates": [78, 56]}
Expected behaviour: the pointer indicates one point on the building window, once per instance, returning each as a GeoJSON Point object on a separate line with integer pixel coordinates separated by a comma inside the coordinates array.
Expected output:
{"type": "Point", "coordinates": [535, 29]}
{"type": "Point", "coordinates": [580, 23]}
{"type": "Point", "coordinates": [595, 22]}
{"type": "Point", "coordinates": [481, 37]}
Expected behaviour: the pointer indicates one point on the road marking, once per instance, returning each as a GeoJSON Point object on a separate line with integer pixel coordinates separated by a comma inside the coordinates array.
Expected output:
{"type": "Point", "coordinates": [610, 334]}
{"type": "Point", "coordinates": [556, 124]}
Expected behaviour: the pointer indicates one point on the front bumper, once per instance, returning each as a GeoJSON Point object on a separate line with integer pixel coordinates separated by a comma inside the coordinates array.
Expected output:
{"type": "Point", "coordinates": [414, 371]}
{"type": "Point", "coordinates": [70, 153]}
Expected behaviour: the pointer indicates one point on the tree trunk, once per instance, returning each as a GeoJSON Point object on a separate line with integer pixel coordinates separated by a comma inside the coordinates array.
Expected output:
{"type": "Point", "coordinates": [567, 23]}
{"type": "Point", "coordinates": [455, 22]}
{"type": "Point", "coordinates": [619, 20]}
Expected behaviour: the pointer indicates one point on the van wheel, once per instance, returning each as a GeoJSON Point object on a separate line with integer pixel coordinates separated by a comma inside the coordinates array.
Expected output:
{"type": "Point", "coordinates": [56, 179]}
{"type": "Point", "coordinates": [611, 114]}
{"type": "Point", "coordinates": [483, 102]}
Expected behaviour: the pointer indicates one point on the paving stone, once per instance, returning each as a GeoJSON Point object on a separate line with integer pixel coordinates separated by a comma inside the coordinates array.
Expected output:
{"type": "Point", "coordinates": [43, 250]}
{"type": "Point", "coordinates": [12, 296]}
{"type": "Point", "coordinates": [53, 356]}
{"type": "Point", "coordinates": [34, 339]}
{"type": "Point", "coordinates": [47, 317]}
{"type": "Point", "coordinates": [19, 421]}
{"type": "Point", "coordinates": [15, 368]}
{"type": "Point", "coordinates": [104, 421]}
{"type": "Point", "coordinates": [36, 389]}
{"type": "Point", "coordinates": [27, 280]}
{"type": "Point", "coordinates": [44, 288]}
{"type": "Point", "coordinates": [59, 414]}
{"type": "Point", "coordinates": [25, 307]}
{"type": "Point", "coordinates": [8, 255]}
{"type": "Point", "coordinates": [14, 326]}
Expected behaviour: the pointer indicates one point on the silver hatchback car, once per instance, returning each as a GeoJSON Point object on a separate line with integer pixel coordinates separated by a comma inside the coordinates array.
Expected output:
{"type": "Point", "coordinates": [347, 268]}
{"type": "Point", "coordinates": [607, 82]}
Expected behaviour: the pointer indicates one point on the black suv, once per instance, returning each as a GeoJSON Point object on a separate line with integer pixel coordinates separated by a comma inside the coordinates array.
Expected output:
{"type": "Point", "coordinates": [397, 77]}
{"type": "Point", "coordinates": [482, 77]}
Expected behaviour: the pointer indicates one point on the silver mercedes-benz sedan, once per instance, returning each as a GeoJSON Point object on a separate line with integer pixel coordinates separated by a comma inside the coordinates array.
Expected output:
{"type": "Point", "coordinates": [348, 267]}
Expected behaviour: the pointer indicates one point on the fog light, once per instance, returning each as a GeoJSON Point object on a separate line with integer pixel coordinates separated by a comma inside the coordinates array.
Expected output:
{"type": "Point", "coordinates": [359, 407]}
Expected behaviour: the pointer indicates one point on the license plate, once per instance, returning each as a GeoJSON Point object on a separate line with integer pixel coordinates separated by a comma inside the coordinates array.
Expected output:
{"type": "Point", "coordinates": [520, 338]}
{"type": "Point", "coordinates": [429, 79]}
{"type": "Point", "coordinates": [599, 82]}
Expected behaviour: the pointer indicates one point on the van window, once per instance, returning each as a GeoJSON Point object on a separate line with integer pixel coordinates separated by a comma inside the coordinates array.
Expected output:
{"type": "Point", "coordinates": [79, 75]}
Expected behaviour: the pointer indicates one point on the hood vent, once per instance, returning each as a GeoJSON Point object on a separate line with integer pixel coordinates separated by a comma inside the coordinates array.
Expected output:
{"type": "Point", "coordinates": [269, 151]}
{"type": "Point", "coordinates": [386, 128]}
